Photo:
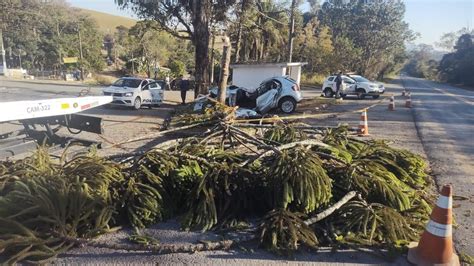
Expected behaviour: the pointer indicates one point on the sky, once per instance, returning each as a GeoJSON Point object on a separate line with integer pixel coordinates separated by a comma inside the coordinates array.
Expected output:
{"type": "Point", "coordinates": [429, 18]}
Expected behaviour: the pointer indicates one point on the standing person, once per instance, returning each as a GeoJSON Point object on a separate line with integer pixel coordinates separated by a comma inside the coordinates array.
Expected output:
{"type": "Point", "coordinates": [167, 83]}
{"type": "Point", "coordinates": [338, 83]}
{"type": "Point", "coordinates": [183, 87]}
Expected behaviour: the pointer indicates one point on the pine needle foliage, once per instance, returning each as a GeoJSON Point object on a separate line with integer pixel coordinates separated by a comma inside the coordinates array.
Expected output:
{"type": "Point", "coordinates": [376, 222]}
{"type": "Point", "coordinates": [213, 112]}
{"type": "Point", "coordinates": [143, 202]}
{"type": "Point", "coordinates": [49, 208]}
{"type": "Point", "coordinates": [49, 200]}
{"type": "Point", "coordinates": [219, 194]}
{"type": "Point", "coordinates": [181, 182]}
{"type": "Point", "coordinates": [19, 243]}
{"type": "Point", "coordinates": [283, 134]}
{"type": "Point", "coordinates": [299, 180]}
{"type": "Point", "coordinates": [39, 163]}
{"type": "Point", "coordinates": [99, 174]}
{"type": "Point", "coordinates": [143, 194]}
{"type": "Point", "coordinates": [378, 184]}
{"type": "Point", "coordinates": [213, 181]}
{"type": "Point", "coordinates": [283, 231]}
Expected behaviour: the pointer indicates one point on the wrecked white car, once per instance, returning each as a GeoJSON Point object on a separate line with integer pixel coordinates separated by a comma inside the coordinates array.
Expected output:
{"type": "Point", "coordinates": [277, 92]}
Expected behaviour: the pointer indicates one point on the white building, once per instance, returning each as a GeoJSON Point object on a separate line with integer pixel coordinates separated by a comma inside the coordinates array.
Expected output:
{"type": "Point", "coordinates": [251, 75]}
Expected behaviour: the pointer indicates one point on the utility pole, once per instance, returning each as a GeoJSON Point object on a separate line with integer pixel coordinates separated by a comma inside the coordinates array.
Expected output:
{"type": "Point", "coordinates": [292, 31]}
{"type": "Point", "coordinates": [81, 57]}
{"type": "Point", "coordinates": [4, 62]}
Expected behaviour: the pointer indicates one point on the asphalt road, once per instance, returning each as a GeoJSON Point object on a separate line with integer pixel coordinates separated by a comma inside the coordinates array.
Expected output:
{"type": "Point", "coordinates": [444, 116]}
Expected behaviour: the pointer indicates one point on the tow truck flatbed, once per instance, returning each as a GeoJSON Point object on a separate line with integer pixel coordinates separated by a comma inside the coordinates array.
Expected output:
{"type": "Point", "coordinates": [45, 113]}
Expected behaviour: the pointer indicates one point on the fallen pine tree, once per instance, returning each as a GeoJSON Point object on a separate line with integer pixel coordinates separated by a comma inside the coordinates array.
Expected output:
{"type": "Point", "coordinates": [306, 188]}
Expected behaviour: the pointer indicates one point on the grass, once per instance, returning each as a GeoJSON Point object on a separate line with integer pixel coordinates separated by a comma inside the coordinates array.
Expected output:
{"type": "Point", "coordinates": [108, 22]}
{"type": "Point", "coordinates": [312, 80]}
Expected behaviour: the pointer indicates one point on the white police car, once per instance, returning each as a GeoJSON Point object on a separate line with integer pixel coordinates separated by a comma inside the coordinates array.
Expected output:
{"type": "Point", "coordinates": [352, 85]}
{"type": "Point", "coordinates": [135, 92]}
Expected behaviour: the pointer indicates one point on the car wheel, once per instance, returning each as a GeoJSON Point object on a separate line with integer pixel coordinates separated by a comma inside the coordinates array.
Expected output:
{"type": "Point", "coordinates": [287, 105]}
{"type": "Point", "coordinates": [137, 103]}
{"type": "Point", "coordinates": [328, 93]}
{"type": "Point", "coordinates": [375, 96]}
{"type": "Point", "coordinates": [360, 93]}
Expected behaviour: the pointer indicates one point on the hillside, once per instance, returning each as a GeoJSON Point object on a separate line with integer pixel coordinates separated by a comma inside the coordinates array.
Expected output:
{"type": "Point", "coordinates": [107, 22]}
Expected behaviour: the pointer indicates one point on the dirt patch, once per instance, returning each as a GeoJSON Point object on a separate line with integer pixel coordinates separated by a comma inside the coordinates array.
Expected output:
{"type": "Point", "coordinates": [315, 104]}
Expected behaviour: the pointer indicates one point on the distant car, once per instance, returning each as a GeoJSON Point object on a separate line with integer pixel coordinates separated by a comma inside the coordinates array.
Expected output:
{"type": "Point", "coordinates": [135, 92]}
{"type": "Point", "coordinates": [353, 85]}
{"type": "Point", "coordinates": [277, 92]}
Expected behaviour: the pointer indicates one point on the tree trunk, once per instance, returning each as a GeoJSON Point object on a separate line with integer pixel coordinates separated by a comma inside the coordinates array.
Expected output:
{"type": "Point", "coordinates": [238, 41]}
{"type": "Point", "coordinates": [292, 31]}
{"type": "Point", "coordinates": [201, 42]}
{"type": "Point", "coordinates": [239, 31]}
{"type": "Point", "coordinates": [224, 70]}
{"type": "Point", "coordinates": [245, 50]}
{"type": "Point", "coordinates": [256, 46]}
{"type": "Point", "coordinates": [262, 49]}
{"type": "Point", "coordinates": [211, 72]}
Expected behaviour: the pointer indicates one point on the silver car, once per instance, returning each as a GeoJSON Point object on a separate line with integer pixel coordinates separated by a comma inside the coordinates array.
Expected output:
{"type": "Point", "coordinates": [277, 92]}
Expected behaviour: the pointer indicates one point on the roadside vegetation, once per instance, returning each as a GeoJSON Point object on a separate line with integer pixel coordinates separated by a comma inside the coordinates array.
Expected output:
{"type": "Point", "coordinates": [39, 34]}
{"type": "Point", "coordinates": [330, 35]}
{"type": "Point", "coordinates": [455, 66]}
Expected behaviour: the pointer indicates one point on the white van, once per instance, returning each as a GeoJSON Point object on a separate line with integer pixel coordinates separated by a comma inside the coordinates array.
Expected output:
{"type": "Point", "coordinates": [135, 92]}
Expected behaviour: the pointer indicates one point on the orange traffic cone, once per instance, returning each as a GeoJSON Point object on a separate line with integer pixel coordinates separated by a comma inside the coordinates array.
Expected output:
{"type": "Point", "coordinates": [391, 105]}
{"type": "Point", "coordinates": [363, 125]}
{"type": "Point", "coordinates": [408, 101]}
{"type": "Point", "coordinates": [436, 242]}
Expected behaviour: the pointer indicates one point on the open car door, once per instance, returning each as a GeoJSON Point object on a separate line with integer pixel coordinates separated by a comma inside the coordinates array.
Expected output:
{"type": "Point", "coordinates": [156, 91]}
{"type": "Point", "coordinates": [267, 101]}
{"type": "Point", "coordinates": [267, 96]}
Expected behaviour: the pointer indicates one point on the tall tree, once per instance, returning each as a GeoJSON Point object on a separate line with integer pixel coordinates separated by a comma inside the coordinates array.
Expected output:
{"type": "Point", "coordinates": [448, 40]}
{"type": "Point", "coordinates": [262, 33]}
{"type": "Point", "coordinates": [242, 15]}
{"type": "Point", "coordinates": [185, 19]}
{"type": "Point", "coordinates": [458, 66]}
{"type": "Point", "coordinates": [151, 45]}
{"type": "Point", "coordinates": [313, 45]}
{"type": "Point", "coordinates": [377, 28]}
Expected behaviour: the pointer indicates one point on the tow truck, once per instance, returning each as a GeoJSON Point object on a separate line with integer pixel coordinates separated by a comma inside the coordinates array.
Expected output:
{"type": "Point", "coordinates": [42, 119]}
